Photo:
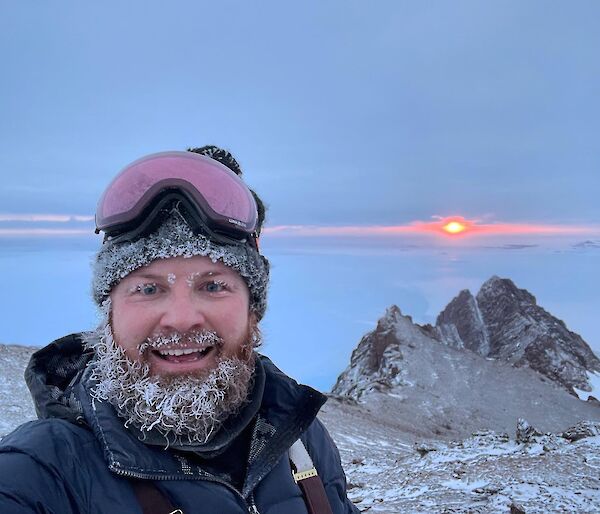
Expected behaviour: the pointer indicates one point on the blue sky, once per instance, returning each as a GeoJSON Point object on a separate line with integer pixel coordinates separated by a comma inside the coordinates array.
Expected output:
{"type": "Point", "coordinates": [342, 113]}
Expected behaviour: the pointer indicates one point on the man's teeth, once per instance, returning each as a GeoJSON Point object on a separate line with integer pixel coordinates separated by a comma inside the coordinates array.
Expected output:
{"type": "Point", "coordinates": [183, 351]}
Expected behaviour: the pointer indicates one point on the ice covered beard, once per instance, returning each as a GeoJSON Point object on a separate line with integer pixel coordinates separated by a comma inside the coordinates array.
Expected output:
{"type": "Point", "coordinates": [190, 407]}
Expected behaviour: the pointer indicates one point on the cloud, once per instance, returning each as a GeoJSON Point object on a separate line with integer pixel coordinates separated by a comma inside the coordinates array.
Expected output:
{"type": "Point", "coordinates": [587, 244]}
{"type": "Point", "coordinates": [37, 232]}
{"type": "Point", "coordinates": [34, 225]}
{"type": "Point", "coordinates": [513, 247]}
{"type": "Point", "coordinates": [51, 218]}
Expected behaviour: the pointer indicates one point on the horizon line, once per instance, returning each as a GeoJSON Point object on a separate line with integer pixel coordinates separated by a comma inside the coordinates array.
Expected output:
{"type": "Point", "coordinates": [438, 226]}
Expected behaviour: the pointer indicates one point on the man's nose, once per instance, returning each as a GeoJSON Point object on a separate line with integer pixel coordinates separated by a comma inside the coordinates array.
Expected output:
{"type": "Point", "coordinates": [182, 313]}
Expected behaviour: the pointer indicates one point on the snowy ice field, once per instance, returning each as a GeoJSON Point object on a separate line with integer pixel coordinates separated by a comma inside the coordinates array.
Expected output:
{"type": "Point", "coordinates": [323, 296]}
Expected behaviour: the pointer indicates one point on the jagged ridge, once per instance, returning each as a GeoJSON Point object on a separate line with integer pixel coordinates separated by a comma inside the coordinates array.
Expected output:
{"type": "Point", "coordinates": [471, 370]}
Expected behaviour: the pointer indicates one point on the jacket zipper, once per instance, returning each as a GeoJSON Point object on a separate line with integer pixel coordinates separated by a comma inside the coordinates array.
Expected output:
{"type": "Point", "coordinates": [251, 507]}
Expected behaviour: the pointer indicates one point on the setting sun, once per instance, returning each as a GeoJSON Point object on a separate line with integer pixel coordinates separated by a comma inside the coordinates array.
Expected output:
{"type": "Point", "coordinates": [454, 227]}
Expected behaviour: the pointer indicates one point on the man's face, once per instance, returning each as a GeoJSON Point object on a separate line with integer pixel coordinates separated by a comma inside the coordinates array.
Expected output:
{"type": "Point", "coordinates": [176, 303]}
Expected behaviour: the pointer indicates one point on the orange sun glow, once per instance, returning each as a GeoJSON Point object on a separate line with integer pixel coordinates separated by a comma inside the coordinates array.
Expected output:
{"type": "Point", "coordinates": [454, 227]}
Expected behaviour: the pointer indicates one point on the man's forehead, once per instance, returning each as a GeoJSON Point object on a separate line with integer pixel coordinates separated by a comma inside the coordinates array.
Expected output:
{"type": "Point", "coordinates": [187, 266]}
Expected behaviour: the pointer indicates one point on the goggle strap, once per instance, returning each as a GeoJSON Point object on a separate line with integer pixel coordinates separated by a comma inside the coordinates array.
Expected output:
{"type": "Point", "coordinates": [151, 218]}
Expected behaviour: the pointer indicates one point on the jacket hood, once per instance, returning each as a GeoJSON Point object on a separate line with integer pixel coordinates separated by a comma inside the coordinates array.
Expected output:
{"type": "Point", "coordinates": [52, 374]}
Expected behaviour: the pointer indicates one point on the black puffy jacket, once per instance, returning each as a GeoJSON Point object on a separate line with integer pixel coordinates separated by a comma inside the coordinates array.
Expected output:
{"type": "Point", "coordinates": [80, 459]}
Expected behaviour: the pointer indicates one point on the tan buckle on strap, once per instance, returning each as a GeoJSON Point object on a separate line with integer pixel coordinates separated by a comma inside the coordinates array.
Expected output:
{"type": "Point", "coordinates": [303, 475]}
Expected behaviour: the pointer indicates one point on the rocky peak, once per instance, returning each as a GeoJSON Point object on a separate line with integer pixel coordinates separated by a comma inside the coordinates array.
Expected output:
{"type": "Point", "coordinates": [390, 318]}
{"type": "Point", "coordinates": [505, 322]}
{"type": "Point", "coordinates": [502, 303]}
{"type": "Point", "coordinates": [399, 371]}
{"type": "Point", "coordinates": [496, 287]}
{"type": "Point", "coordinates": [374, 362]}
{"type": "Point", "coordinates": [501, 322]}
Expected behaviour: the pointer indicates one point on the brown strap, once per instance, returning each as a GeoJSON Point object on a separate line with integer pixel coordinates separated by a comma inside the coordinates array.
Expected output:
{"type": "Point", "coordinates": [314, 495]}
{"type": "Point", "coordinates": [152, 499]}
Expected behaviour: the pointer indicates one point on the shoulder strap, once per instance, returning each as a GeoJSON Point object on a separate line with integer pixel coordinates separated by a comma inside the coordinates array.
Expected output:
{"type": "Point", "coordinates": [152, 499]}
{"type": "Point", "coordinates": [308, 480]}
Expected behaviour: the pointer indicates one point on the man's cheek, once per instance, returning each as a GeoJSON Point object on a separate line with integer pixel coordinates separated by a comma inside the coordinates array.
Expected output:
{"type": "Point", "coordinates": [130, 343]}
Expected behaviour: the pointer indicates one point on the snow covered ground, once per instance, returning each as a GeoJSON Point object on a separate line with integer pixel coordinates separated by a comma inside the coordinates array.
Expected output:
{"type": "Point", "coordinates": [390, 471]}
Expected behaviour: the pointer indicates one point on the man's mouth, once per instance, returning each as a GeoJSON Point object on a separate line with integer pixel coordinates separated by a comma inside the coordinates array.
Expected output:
{"type": "Point", "coordinates": [183, 354]}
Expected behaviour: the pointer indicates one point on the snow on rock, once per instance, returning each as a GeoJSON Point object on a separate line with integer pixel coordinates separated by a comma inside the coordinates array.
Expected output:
{"type": "Point", "coordinates": [581, 430]}
{"type": "Point", "coordinates": [447, 396]}
{"type": "Point", "coordinates": [525, 432]}
{"type": "Point", "coordinates": [593, 394]}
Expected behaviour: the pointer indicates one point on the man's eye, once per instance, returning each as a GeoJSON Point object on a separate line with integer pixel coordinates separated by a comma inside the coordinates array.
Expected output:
{"type": "Point", "coordinates": [216, 286]}
{"type": "Point", "coordinates": [147, 289]}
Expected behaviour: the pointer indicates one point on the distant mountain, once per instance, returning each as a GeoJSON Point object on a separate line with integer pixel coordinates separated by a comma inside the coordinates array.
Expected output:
{"type": "Point", "coordinates": [489, 360]}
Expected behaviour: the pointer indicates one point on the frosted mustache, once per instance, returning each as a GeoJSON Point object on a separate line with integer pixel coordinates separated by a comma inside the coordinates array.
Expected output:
{"type": "Point", "coordinates": [197, 338]}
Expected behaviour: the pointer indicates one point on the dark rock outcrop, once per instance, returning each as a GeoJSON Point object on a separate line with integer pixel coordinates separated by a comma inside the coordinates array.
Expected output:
{"type": "Point", "coordinates": [525, 432]}
{"type": "Point", "coordinates": [460, 324]}
{"type": "Point", "coordinates": [582, 430]}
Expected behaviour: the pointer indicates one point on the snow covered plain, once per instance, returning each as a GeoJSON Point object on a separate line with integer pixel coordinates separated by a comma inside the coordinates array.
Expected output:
{"type": "Point", "coordinates": [394, 470]}
{"type": "Point", "coordinates": [391, 471]}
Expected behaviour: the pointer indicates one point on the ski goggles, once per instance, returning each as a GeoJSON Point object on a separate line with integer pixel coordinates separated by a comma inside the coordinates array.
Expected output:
{"type": "Point", "coordinates": [212, 198]}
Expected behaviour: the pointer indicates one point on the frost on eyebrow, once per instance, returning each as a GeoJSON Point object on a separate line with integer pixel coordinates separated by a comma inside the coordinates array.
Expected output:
{"type": "Point", "coordinates": [191, 278]}
{"type": "Point", "coordinates": [171, 278]}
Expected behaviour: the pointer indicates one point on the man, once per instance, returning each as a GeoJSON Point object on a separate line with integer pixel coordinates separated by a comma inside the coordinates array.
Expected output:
{"type": "Point", "coordinates": [167, 405]}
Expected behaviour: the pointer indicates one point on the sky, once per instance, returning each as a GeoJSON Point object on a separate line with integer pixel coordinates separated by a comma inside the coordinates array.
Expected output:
{"type": "Point", "coordinates": [365, 127]}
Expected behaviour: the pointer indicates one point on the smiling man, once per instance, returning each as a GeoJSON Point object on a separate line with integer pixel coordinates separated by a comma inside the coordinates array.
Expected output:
{"type": "Point", "coordinates": [167, 407]}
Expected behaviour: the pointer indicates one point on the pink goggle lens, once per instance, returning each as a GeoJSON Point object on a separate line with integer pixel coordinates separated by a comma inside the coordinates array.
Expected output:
{"type": "Point", "coordinates": [220, 187]}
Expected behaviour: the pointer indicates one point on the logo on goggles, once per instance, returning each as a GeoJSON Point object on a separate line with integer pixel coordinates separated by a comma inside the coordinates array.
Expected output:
{"type": "Point", "coordinates": [237, 222]}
